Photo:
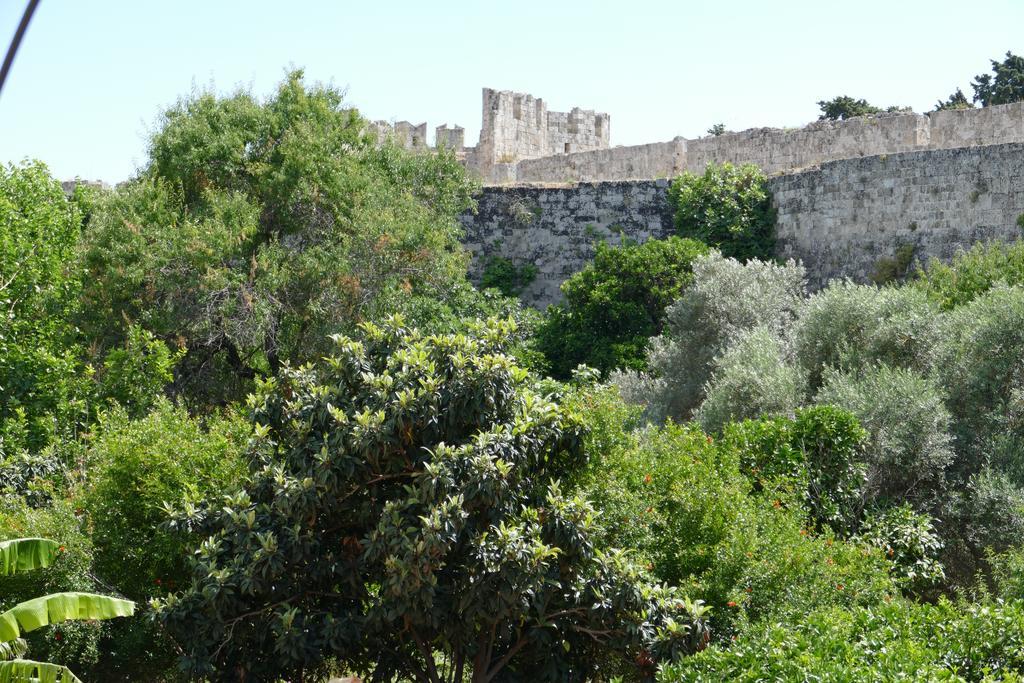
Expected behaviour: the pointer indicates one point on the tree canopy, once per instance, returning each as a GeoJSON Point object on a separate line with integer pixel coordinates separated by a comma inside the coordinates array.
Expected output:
{"type": "Point", "coordinates": [1004, 86]}
{"type": "Point", "coordinates": [259, 227]}
{"type": "Point", "coordinates": [404, 502]}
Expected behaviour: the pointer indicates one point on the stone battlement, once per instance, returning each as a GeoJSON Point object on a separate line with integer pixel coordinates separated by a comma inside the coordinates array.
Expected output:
{"type": "Point", "coordinates": [514, 127]}
{"type": "Point", "coordinates": [522, 142]}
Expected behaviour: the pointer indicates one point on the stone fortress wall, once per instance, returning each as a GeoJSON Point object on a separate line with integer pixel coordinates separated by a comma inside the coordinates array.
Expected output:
{"type": "Point", "coordinates": [849, 194]}
{"type": "Point", "coordinates": [522, 142]}
{"type": "Point", "coordinates": [840, 218]}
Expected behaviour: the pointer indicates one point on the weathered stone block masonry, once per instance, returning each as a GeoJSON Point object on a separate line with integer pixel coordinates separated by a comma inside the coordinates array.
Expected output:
{"type": "Point", "coordinates": [847, 193]}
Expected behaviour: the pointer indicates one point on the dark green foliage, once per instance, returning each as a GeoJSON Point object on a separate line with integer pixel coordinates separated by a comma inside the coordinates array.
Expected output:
{"type": "Point", "coordinates": [818, 455]}
{"type": "Point", "coordinates": [258, 228]}
{"type": "Point", "coordinates": [403, 516]}
{"type": "Point", "coordinates": [895, 268]}
{"type": "Point", "coordinates": [1004, 86]}
{"type": "Point", "coordinates": [910, 542]}
{"type": "Point", "coordinates": [504, 275]}
{"type": "Point", "coordinates": [615, 304]}
{"type": "Point", "coordinates": [955, 101]}
{"type": "Point", "coordinates": [845, 107]}
{"type": "Point", "coordinates": [885, 642]}
{"type": "Point", "coordinates": [971, 273]}
{"type": "Point", "coordinates": [717, 129]}
{"type": "Point", "coordinates": [681, 500]}
{"type": "Point", "coordinates": [728, 208]}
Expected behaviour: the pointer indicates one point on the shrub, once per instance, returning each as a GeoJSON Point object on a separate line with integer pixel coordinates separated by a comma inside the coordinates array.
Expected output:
{"type": "Point", "coordinates": [850, 327]}
{"type": "Point", "coordinates": [726, 300]}
{"type": "Point", "coordinates": [753, 378]}
{"type": "Point", "coordinates": [615, 304]}
{"type": "Point", "coordinates": [681, 501]}
{"type": "Point", "coordinates": [504, 275]}
{"type": "Point", "coordinates": [987, 517]}
{"type": "Point", "coordinates": [728, 208]}
{"type": "Point", "coordinates": [137, 467]}
{"type": "Point", "coordinates": [908, 447]}
{"type": "Point", "coordinates": [403, 503]}
{"type": "Point", "coordinates": [971, 273]}
{"type": "Point", "coordinates": [980, 368]}
{"type": "Point", "coordinates": [885, 642]}
{"type": "Point", "coordinates": [895, 268]}
{"type": "Point", "coordinates": [910, 542]}
{"type": "Point", "coordinates": [135, 375]}
{"type": "Point", "coordinates": [73, 644]}
{"type": "Point", "coordinates": [818, 456]}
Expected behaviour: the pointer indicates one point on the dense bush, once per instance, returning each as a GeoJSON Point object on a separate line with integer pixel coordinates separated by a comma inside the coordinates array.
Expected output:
{"type": "Point", "coordinates": [615, 304]}
{"type": "Point", "coordinates": [42, 382]}
{"type": "Point", "coordinates": [508, 278]}
{"type": "Point", "coordinates": [728, 208]}
{"type": "Point", "coordinates": [980, 367]}
{"type": "Point", "coordinates": [818, 456]}
{"type": "Point", "coordinates": [910, 541]}
{"type": "Point", "coordinates": [753, 378]}
{"type": "Point", "coordinates": [403, 503]}
{"type": "Point", "coordinates": [681, 500]}
{"type": "Point", "coordinates": [908, 447]}
{"type": "Point", "coordinates": [972, 273]}
{"type": "Point", "coordinates": [884, 642]}
{"type": "Point", "coordinates": [851, 327]}
{"type": "Point", "coordinates": [137, 467]}
{"type": "Point", "coordinates": [726, 300]}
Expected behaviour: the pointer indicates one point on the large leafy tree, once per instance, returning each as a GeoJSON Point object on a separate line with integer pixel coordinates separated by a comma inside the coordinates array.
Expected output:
{"type": "Point", "coordinates": [404, 517]}
{"type": "Point", "coordinates": [258, 227]}
{"type": "Point", "coordinates": [1004, 86]}
{"type": "Point", "coordinates": [615, 304]}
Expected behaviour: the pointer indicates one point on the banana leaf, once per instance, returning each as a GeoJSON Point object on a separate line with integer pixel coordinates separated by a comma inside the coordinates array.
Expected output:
{"type": "Point", "coordinates": [13, 649]}
{"type": "Point", "coordinates": [23, 554]}
{"type": "Point", "coordinates": [58, 607]}
{"type": "Point", "coordinates": [27, 671]}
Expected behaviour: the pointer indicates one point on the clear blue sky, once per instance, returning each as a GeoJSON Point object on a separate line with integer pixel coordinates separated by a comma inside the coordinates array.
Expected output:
{"type": "Point", "coordinates": [91, 77]}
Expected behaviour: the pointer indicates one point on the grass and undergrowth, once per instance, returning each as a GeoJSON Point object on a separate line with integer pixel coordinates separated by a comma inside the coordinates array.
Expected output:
{"type": "Point", "coordinates": [252, 391]}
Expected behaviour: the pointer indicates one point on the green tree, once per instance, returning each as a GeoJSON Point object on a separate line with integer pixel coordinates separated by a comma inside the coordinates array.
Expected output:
{"type": "Point", "coordinates": [259, 227]}
{"type": "Point", "coordinates": [728, 207]}
{"type": "Point", "coordinates": [845, 107]}
{"type": "Point", "coordinates": [25, 554]}
{"type": "Point", "coordinates": [404, 517]}
{"type": "Point", "coordinates": [955, 101]}
{"type": "Point", "coordinates": [1004, 86]}
{"type": "Point", "coordinates": [41, 380]}
{"type": "Point", "coordinates": [615, 304]}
